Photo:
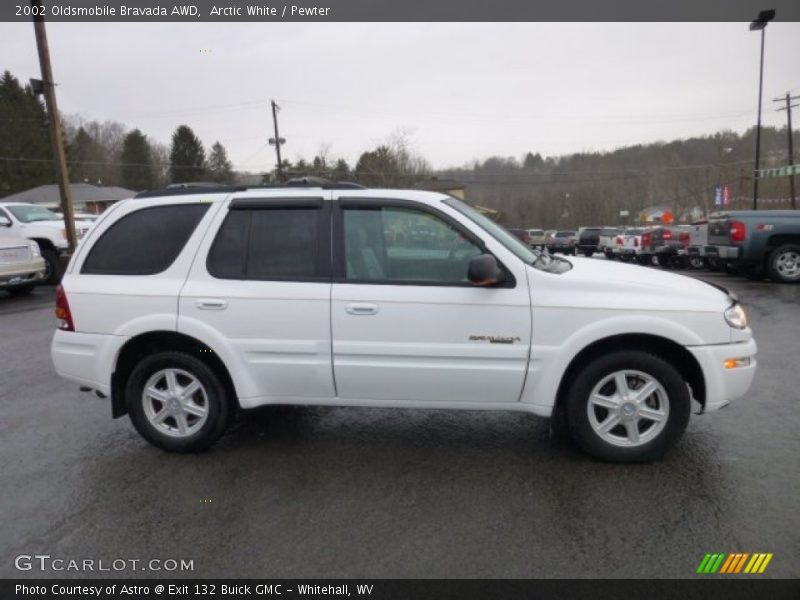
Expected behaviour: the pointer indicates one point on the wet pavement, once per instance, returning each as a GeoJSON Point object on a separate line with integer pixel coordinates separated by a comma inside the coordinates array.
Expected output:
{"type": "Point", "coordinates": [346, 492]}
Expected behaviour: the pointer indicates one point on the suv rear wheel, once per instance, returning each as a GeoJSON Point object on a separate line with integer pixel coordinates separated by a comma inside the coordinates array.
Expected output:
{"type": "Point", "coordinates": [783, 264]}
{"type": "Point", "coordinates": [177, 402]}
{"type": "Point", "coordinates": [628, 406]}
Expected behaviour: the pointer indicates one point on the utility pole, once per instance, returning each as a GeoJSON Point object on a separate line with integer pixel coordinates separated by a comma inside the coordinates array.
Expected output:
{"type": "Point", "coordinates": [788, 108]}
{"type": "Point", "coordinates": [56, 138]}
{"type": "Point", "coordinates": [277, 141]}
{"type": "Point", "coordinates": [760, 24]}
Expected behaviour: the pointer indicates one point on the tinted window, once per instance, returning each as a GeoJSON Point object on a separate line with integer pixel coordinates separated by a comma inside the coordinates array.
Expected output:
{"type": "Point", "coordinates": [273, 243]}
{"type": "Point", "coordinates": [144, 242]}
{"type": "Point", "coordinates": [400, 244]}
{"type": "Point", "coordinates": [565, 234]}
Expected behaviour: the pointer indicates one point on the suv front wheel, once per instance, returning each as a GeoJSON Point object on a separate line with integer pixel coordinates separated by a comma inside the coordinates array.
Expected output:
{"type": "Point", "coordinates": [628, 406]}
{"type": "Point", "coordinates": [177, 402]}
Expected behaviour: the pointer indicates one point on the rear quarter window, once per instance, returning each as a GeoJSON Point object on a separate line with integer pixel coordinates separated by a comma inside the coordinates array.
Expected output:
{"type": "Point", "coordinates": [144, 242]}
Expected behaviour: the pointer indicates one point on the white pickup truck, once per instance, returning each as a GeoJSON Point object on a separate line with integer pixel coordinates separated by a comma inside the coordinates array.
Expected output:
{"type": "Point", "coordinates": [324, 295]}
{"type": "Point", "coordinates": [44, 227]}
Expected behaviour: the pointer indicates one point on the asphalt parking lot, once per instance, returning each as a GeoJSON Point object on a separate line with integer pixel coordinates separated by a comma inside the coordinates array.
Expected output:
{"type": "Point", "coordinates": [329, 492]}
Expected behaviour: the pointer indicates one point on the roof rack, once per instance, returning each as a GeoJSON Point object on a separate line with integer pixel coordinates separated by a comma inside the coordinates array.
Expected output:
{"type": "Point", "coordinates": [204, 187]}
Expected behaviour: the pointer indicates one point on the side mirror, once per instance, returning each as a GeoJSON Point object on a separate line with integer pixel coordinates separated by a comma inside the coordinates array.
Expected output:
{"type": "Point", "coordinates": [5, 222]}
{"type": "Point", "coordinates": [484, 271]}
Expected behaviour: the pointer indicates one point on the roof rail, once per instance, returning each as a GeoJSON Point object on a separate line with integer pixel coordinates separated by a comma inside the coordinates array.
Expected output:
{"type": "Point", "coordinates": [202, 187]}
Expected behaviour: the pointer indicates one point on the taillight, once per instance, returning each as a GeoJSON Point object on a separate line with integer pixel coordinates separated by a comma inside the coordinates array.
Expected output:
{"type": "Point", "coordinates": [684, 237]}
{"type": "Point", "coordinates": [63, 313]}
{"type": "Point", "coordinates": [737, 231]}
{"type": "Point", "coordinates": [646, 239]}
{"type": "Point", "coordinates": [667, 234]}
{"type": "Point", "coordinates": [619, 240]}
{"type": "Point", "coordinates": [635, 242]}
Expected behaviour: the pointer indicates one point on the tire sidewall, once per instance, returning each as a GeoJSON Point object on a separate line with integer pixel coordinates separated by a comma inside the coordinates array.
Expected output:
{"type": "Point", "coordinates": [53, 266]}
{"type": "Point", "coordinates": [773, 259]}
{"type": "Point", "coordinates": [578, 396]}
{"type": "Point", "coordinates": [219, 406]}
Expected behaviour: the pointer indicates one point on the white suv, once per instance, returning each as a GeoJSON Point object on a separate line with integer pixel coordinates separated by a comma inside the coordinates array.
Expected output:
{"type": "Point", "coordinates": [187, 304]}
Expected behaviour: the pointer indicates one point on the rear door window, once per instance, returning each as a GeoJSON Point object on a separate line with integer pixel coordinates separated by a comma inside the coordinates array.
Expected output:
{"type": "Point", "coordinates": [279, 242]}
{"type": "Point", "coordinates": [144, 242]}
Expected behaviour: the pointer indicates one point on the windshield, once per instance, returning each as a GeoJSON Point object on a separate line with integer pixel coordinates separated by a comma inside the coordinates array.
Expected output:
{"type": "Point", "coordinates": [31, 213]}
{"type": "Point", "coordinates": [540, 260]}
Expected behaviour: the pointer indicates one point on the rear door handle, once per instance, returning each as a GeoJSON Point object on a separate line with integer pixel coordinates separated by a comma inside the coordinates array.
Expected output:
{"type": "Point", "coordinates": [362, 309]}
{"type": "Point", "coordinates": [211, 304]}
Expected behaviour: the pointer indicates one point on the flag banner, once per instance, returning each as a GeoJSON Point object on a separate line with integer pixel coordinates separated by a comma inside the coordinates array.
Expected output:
{"type": "Point", "coordinates": [788, 171]}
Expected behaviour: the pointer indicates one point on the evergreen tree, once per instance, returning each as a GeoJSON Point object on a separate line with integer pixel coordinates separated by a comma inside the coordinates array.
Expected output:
{"type": "Point", "coordinates": [86, 159]}
{"type": "Point", "coordinates": [341, 172]}
{"type": "Point", "coordinates": [24, 134]}
{"type": "Point", "coordinates": [187, 157]}
{"type": "Point", "coordinates": [137, 169]}
{"type": "Point", "coordinates": [220, 169]}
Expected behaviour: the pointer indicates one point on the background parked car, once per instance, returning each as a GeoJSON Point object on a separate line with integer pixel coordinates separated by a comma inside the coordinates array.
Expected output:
{"type": "Point", "coordinates": [43, 226]}
{"type": "Point", "coordinates": [21, 265]}
{"type": "Point", "coordinates": [669, 243]}
{"type": "Point", "coordinates": [562, 241]}
{"type": "Point", "coordinates": [696, 250]}
{"type": "Point", "coordinates": [755, 243]}
{"type": "Point", "coordinates": [522, 234]}
{"type": "Point", "coordinates": [607, 241]}
{"type": "Point", "coordinates": [536, 238]}
{"type": "Point", "coordinates": [628, 244]}
{"type": "Point", "coordinates": [588, 240]}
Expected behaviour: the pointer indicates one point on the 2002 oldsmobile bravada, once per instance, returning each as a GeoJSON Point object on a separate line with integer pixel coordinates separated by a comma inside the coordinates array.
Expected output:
{"type": "Point", "coordinates": [184, 305]}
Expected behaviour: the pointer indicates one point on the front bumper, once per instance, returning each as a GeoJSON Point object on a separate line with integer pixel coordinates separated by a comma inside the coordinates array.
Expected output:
{"type": "Point", "coordinates": [27, 273]}
{"type": "Point", "coordinates": [725, 385]}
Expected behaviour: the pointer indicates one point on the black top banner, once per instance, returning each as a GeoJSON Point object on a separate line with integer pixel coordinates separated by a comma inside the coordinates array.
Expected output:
{"type": "Point", "coordinates": [397, 10]}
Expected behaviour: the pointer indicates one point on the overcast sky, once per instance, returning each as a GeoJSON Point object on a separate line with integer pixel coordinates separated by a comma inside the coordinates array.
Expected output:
{"type": "Point", "coordinates": [463, 91]}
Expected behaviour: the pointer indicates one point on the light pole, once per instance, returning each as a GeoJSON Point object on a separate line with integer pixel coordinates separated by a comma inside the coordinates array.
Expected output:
{"type": "Point", "coordinates": [760, 24]}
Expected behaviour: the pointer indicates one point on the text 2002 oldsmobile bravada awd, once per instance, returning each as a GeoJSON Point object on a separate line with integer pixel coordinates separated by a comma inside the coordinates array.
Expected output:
{"type": "Point", "coordinates": [184, 305]}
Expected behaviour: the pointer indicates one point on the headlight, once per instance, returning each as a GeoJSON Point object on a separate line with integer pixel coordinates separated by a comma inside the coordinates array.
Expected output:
{"type": "Point", "coordinates": [35, 252]}
{"type": "Point", "coordinates": [736, 317]}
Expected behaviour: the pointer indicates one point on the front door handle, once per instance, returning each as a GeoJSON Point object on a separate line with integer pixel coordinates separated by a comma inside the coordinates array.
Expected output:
{"type": "Point", "coordinates": [362, 309]}
{"type": "Point", "coordinates": [211, 304]}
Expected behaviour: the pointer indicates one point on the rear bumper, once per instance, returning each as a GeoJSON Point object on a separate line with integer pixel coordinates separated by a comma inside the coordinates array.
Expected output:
{"type": "Point", "coordinates": [86, 358]}
{"type": "Point", "coordinates": [723, 252]}
{"type": "Point", "coordinates": [725, 385]}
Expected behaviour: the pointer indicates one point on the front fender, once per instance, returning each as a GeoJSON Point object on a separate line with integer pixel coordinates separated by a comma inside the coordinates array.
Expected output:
{"type": "Point", "coordinates": [550, 356]}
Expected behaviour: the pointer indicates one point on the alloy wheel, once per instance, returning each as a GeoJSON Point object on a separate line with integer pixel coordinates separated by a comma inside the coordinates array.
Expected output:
{"type": "Point", "coordinates": [628, 408]}
{"type": "Point", "coordinates": [175, 402]}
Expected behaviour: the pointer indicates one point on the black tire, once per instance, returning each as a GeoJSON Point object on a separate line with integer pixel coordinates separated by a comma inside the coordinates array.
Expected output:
{"type": "Point", "coordinates": [643, 260]}
{"type": "Point", "coordinates": [654, 260]}
{"type": "Point", "coordinates": [775, 270]}
{"type": "Point", "coordinates": [730, 269]}
{"type": "Point", "coordinates": [577, 405]}
{"type": "Point", "coordinates": [625, 258]}
{"type": "Point", "coordinates": [587, 253]}
{"type": "Point", "coordinates": [609, 254]}
{"type": "Point", "coordinates": [20, 290]}
{"type": "Point", "coordinates": [53, 267]}
{"type": "Point", "coordinates": [712, 264]}
{"type": "Point", "coordinates": [219, 406]}
{"type": "Point", "coordinates": [696, 262]}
